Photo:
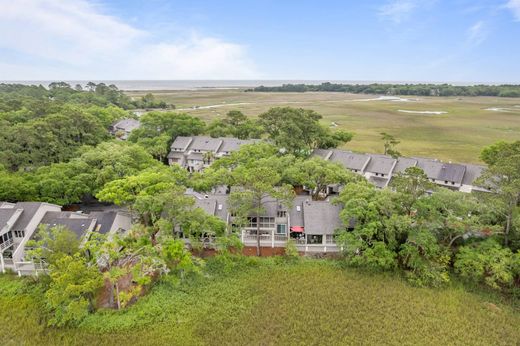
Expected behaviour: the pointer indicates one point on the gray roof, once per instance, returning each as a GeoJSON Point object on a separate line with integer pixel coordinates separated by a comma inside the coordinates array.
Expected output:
{"type": "Point", "coordinates": [321, 217]}
{"type": "Point", "coordinates": [195, 156]}
{"type": "Point", "coordinates": [29, 209]}
{"type": "Point", "coordinates": [6, 205]}
{"type": "Point", "coordinates": [381, 164]}
{"type": "Point", "coordinates": [403, 163]}
{"type": "Point", "coordinates": [105, 220]}
{"type": "Point", "coordinates": [5, 215]}
{"type": "Point", "coordinates": [452, 172]}
{"type": "Point", "coordinates": [205, 143]}
{"type": "Point", "coordinates": [181, 142]}
{"type": "Point", "coordinates": [78, 223]}
{"type": "Point", "coordinates": [295, 215]}
{"type": "Point", "coordinates": [472, 173]}
{"type": "Point", "coordinates": [431, 168]}
{"type": "Point", "coordinates": [350, 160]}
{"type": "Point", "coordinates": [323, 153]}
{"type": "Point", "coordinates": [127, 125]}
{"type": "Point", "coordinates": [175, 155]}
{"type": "Point", "coordinates": [233, 144]}
{"type": "Point", "coordinates": [212, 204]}
{"type": "Point", "coordinates": [379, 181]}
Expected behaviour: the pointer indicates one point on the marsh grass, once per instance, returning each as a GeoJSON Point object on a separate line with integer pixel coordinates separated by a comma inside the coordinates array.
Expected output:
{"type": "Point", "coordinates": [269, 302]}
{"type": "Point", "coordinates": [458, 135]}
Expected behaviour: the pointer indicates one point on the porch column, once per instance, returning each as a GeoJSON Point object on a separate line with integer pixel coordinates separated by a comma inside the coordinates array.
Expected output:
{"type": "Point", "coordinates": [272, 238]}
{"type": "Point", "coordinates": [2, 264]}
{"type": "Point", "coordinates": [243, 236]}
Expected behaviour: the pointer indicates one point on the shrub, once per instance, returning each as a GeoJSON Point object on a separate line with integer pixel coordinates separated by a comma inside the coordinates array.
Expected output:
{"type": "Point", "coordinates": [487, 262]}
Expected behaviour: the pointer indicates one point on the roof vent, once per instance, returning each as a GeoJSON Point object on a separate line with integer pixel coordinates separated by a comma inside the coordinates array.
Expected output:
{"type": "Point", "coordinates": [220, 207]}
{"type": "Point", "coordinates": [298, 208]}
{"type": "Point", "coordinates": [206, 196]}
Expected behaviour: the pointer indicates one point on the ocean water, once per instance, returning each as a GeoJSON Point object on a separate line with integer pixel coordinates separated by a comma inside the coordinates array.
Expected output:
{"type": "Point", "coordinates": [198, 84]}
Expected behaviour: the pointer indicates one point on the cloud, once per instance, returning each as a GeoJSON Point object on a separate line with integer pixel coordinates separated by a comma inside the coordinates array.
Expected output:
{"type": "Point", "coordinates": [514, 6]}
{"type": "Point", "coordinates": [399, 11]}
{"type": "Point", "coordinates": [477, 33]}
{"type": "Point", "coordinates": [75, 39]}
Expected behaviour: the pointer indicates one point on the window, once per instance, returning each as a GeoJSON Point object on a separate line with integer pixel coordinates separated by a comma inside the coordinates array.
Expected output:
{"type": "Point", "coordinates": [452, 183]}
{"type": "Point", "coordinates": [382, 174]}
{"type": "Point", "coordinates": [19, 234]}
{"type": "Point", "coordinates": [445, 182]}
{"type": "Point", "coordinates": [314, 239]}
{"type": "Point", "coordinates": [265, 222]}
{"type": "Point", "coordinates": [281, 213]}
{"type": "Point", "coordinates": [281, 229]}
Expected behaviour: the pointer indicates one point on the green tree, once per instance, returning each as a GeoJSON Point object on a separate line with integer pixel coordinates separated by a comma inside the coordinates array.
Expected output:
{"type": "Point", "coordinates": [70, 295]}
{"type": "Point", "coordinates": [390, 142]}
{"type": "Point", "coordinates": [317, 174]}
{"type": "Point", "coordinates": [297, 130]}
{"type": "Point", "coordinates": [411, 184]}
{"type": "Point", "coordinates": [53, 243]}
{"type": "Point", "coordinates": [258, 183]}
{"type": "Point", "coordinates": [502, 179]}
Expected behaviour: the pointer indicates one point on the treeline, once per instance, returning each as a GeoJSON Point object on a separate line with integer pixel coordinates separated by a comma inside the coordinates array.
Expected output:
{"type": "Point", "coordinates": [400, 89]}
{"type": "Point", "coordinates": [14, 97]}
{"type": "Point", "coordinates": [56, 147]}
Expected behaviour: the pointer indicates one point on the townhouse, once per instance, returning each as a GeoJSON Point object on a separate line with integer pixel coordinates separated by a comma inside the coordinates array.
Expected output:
{"type": "Point", "coordinates": [198, 152]}
{"type": "Point", "coordinates": [310, 224]}
{"type": "Point", "coordinates": [19, 223]}
{"type": "Point", "coordinates": [379, 169]}
{"type": "Point", "coordinates": [122, 128]}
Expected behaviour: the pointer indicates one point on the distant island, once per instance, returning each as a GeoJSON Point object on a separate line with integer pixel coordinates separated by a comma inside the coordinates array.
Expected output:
{"type": "Point", "coordinates": [505, 90]}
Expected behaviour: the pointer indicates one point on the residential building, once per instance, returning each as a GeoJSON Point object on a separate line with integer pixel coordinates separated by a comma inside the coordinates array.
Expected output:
{"type": "Point", "coordinates": [310, 224]}
{"type": "Point", "coordinates": [19, 223]}
{"type": "Point", "coordinates": [197, 152]}
{"type": "Point", "coordinates": [122, 128]}
{"type": "Point", "coordinates": [379, 169]}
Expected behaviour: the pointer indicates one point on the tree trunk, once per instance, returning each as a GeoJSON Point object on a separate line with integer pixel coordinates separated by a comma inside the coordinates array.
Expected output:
{"type": "Point", "coordinates": [257, 234]}
{"type": "Point", "coordinates": [117, 296]}
{"type": "Point", "coordinates": [508, 227]}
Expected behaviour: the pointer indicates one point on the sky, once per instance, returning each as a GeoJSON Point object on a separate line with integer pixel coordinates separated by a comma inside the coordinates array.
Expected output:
{"type": "Point", "coordinates": [373, 40]}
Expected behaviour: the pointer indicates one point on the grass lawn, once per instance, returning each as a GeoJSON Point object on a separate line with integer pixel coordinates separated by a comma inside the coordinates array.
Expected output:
{"type": "Point", "coordinates": [458, 135]}
{"type": "Point", "coordinates": [310, 303]}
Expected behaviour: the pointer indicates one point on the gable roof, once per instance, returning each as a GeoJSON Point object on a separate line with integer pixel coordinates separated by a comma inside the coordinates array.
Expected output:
{"type": "Point", "coordinates": [79, 224]}
{"type": "Point", "coordinates": [452, 172]}
{"type": "Point", "coordinates": [29, 209]}
{"type": "Point", "coordinates": [127, 125]}
{"type": "Point", "coordinates": [205, 143]}
{"type": "Point", "coordinates": [381, 164]}
{"type": "Point", "coordinates": [350, 160]}
{"type": "Point", "coordinates": [234, 144]}
{"type": "Point", "coordinates": [431, 168]}
{"type": "Point", "coordinates": [181, 142]}
{"type": "Point", "coordinates": [321, 217]}
{"type": "Point", "coordinates": [403, 163]}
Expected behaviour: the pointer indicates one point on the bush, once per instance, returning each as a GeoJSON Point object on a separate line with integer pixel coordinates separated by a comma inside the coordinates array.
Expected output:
{"type": "Point", "coordinates": [489, 263]}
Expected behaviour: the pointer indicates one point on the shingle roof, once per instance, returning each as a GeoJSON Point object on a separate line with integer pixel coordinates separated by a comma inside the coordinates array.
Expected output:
{"type": "Point", "coordinates": [181, 142]}
{"type": "Point", "coordinates": [5, 215]}
{"type": "Point", "coordinates": [403, 163]}
{"type": "Point", "coordinates": [295, 215]}
{"type": "Point", "coordinates": [105, 220]}
{"type": "Point", "coordinates": [323, 153]}
{"type": "Point", "coordinates": [321, 217]}
{"type": "Point", "coordinates": [472, 173]}
{"type": "Point", "coordinates": [205, 143]}
{"type": "Point", "coordinates": [75, 222]}
{"type": "Point", "coordinates": [233, 144]}
{"type": "Point", "coordinates": [378, 181]}
{"type": "Point", "coordinates": [350, 160]}
{"type": "Point", "coordinates": [127, 125]}
{"type": "Point", "coordinates": [452, 172]}
{"type": "Point", "coordinates": [430, 167]}
{"type": "Point", "coordinates": [29, 209]}
{"type": "Point", "coordinates": [380, 164]}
